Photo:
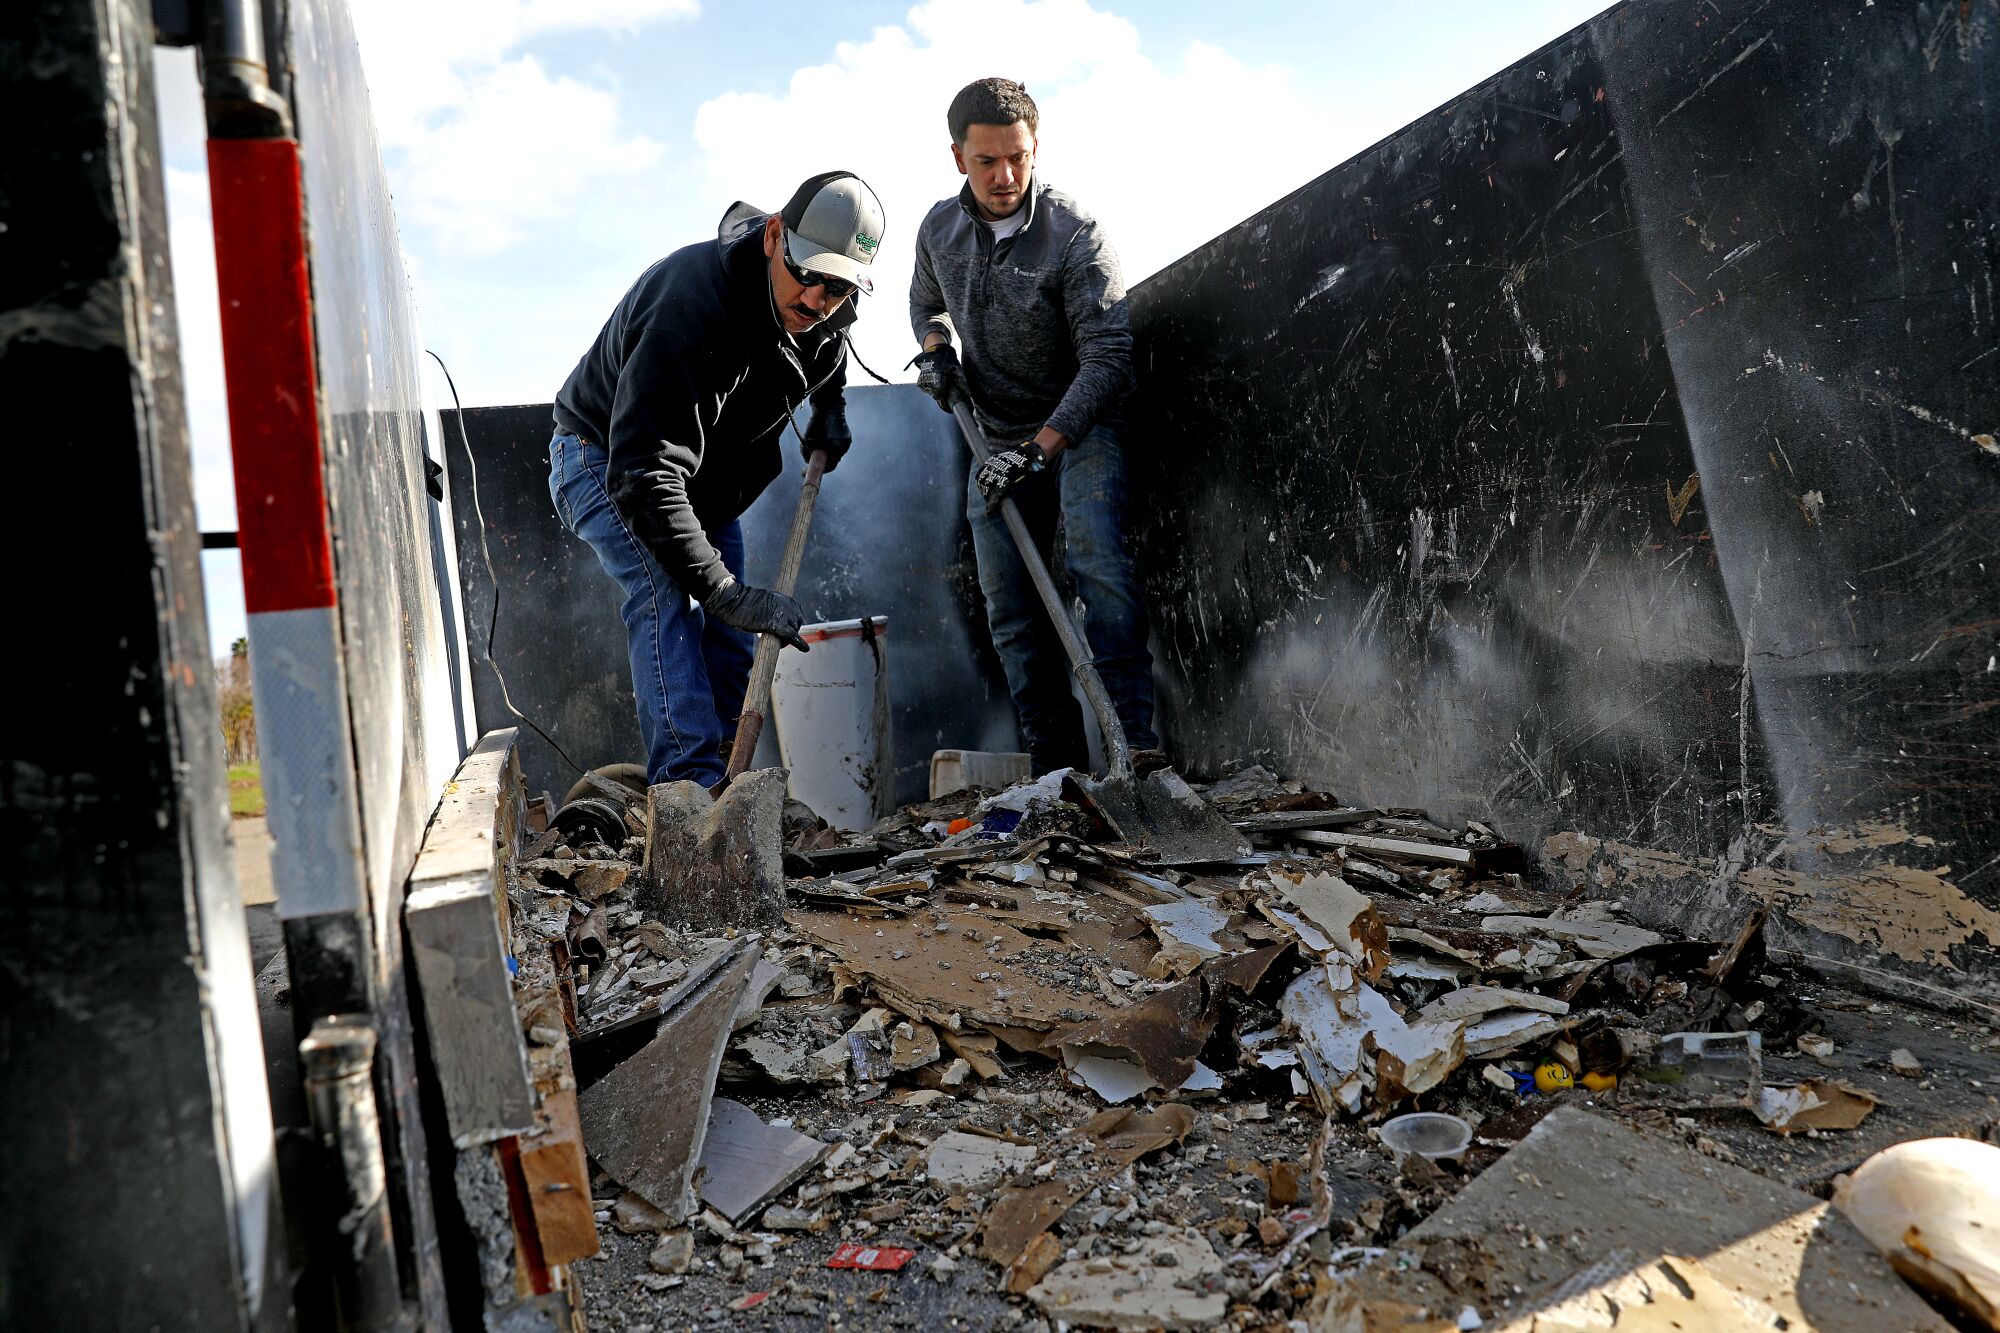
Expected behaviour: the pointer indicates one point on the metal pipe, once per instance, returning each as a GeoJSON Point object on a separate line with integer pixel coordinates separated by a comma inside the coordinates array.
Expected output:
{"type": "Point", "coordinates": [236, 75]}
{"type": "Point", "coordinates": [360, 1253]}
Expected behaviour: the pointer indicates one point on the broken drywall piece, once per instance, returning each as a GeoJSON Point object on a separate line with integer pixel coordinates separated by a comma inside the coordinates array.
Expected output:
{"type": "Point", "coordinates": [1343, 914]}
{"type": "Point", "coordinates": [959, 974]}
{"type": "Point", "coordinates": [1497, 1034]}
{"type": "Point", "coordinates": [1162, 1034]}
{"type": "Point", "coordinates": [1471, 1002]}
{"type": "Point", "coordinates": [1203, 1079]}
{"type": "Point", "coordinates": [1157, 1286]}
{"type": "Point", "coordinates": [762, 982]}
{"type": "Point", "coordinates": [1815, 1104]}
{"type": "Point", "coordinates": [1112, 1141]}
{"type": "Point", "coordinates": [1353, 1041]}
{"type": "Point", "coordinates": [1932, 1207]}
{"type": "Point", "coordinates": [881, 1044]}
{"type": "Point", "coordinates": [1308, 935]}
{"type": "Point", "coordinates": [633, 1216]}
{"type": "Point", "coordinates": [1426, 969]}
{"type": "Point", "coordinates": [1589, 936]}
{"type": "Point", "coordinates": [745, 1163]}
{"type": "Point", "coordinates": [969, 1163]}
{"type": "Point", "coordinates": [1113, 1080]}
{"type": "Point", "coordinates": [1576, 1173]}
{"type": "Point", "coordinates": [1187, 931]}
{"type": "Point", "coordinates": [785, 1064]}
{"type": "Point", "coordinates": [980, 1050]}
{"type": "Point", "coordinates": [1322, 1007]}
{"type": "Point", "coordinates": [646, 1121]}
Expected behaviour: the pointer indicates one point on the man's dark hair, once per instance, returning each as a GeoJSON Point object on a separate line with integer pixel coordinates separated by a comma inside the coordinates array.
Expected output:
{"type": "Point", "coordinates": [991, 102]}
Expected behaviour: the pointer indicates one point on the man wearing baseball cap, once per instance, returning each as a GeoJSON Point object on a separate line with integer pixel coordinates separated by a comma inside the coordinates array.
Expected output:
{"type": "Point", "coordinates": [669, 428]}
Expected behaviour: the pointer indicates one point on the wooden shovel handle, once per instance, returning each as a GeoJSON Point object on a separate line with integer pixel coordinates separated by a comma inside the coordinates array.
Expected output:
{"type": "Point", "coordinates": [757, 699]}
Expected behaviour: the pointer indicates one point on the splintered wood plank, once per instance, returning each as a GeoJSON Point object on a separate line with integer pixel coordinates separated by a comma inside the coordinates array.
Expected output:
{"type": "Point", "coordinates": [558, 1180]}
{"type": "Point", "coordinates": [475, 1035]}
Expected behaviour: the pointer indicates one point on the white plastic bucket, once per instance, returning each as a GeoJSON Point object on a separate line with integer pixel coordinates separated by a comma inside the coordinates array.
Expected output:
{"type": "Point", "coordinates": [831, 710]}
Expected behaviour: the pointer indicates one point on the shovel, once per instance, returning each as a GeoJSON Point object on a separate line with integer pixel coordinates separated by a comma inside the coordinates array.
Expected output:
{"type": "Point", "coordinates": [715, 858]}
{"type": "Point", "coordinates": [757, 699]}
{"type": "Point", "coordinates": [1157, 814]}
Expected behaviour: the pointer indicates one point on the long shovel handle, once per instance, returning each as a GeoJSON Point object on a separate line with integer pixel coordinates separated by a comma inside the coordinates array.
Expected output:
{"type": "Point", "coordinates": [757, 699]}
{"type": "Point", "coordinates": [1117, 754]}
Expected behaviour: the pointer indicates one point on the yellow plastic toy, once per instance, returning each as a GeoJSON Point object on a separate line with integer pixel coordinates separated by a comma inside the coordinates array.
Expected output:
{"type": "Point", "coordinates": [1553, 1076]}
{"type": "Point", "coordinates": [1599, 1082]}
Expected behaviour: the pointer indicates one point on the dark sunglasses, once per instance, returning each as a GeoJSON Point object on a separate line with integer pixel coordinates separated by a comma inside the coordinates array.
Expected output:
{"type": "Point", "coordinates": [837, 289]}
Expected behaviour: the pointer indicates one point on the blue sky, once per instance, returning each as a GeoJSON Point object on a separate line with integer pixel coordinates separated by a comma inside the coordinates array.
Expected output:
{"type": "Point", "coordinates": [543, 152]}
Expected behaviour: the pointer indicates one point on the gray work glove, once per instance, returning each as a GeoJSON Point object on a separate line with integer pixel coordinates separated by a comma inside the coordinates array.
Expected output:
{"type": "Point", "coordinates": [938, 374]}
{"type": "Point", "coordinates": [827, 431]}
{"type": "Point", "coordinates": [758, 611]}
{"type": "Point", "coordinates": [1002, 472]}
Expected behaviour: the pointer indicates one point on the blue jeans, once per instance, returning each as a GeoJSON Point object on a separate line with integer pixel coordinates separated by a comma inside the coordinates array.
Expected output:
{"type": "Point", "coordinates": [1085, 487]}
{"type": "Point", "coordinates": [689, 671]}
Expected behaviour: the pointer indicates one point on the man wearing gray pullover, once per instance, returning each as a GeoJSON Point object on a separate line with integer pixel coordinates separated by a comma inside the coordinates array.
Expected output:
{"type": "Point", "coordinates": [1027, 285]}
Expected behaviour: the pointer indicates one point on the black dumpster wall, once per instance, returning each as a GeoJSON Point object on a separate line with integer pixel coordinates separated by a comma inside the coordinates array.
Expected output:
{"type": "Point", "coordinates": [888, 537]}
{"type": "Point", "coordinates": [135, 1182]}
{"type": "Point", "coordinates": [1613, 450]}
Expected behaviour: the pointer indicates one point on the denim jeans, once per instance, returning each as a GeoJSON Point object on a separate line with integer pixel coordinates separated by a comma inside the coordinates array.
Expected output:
{"type": "Point", "coordinates": [1085, 486]}
{"type": "Point", "coordinates": [689, 671]}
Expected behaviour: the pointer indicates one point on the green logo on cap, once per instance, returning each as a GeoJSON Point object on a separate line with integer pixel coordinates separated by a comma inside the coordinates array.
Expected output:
{"type": "Point", "coordinates": [866, 242]}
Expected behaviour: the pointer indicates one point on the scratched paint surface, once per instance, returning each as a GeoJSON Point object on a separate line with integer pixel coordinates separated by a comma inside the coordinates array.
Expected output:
{"type": "Point", "coordinates": [1613, 448]}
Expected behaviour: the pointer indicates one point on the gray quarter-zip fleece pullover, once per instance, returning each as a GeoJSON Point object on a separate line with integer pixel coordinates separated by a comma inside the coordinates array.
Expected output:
{"type": "Point", "coordinates": [1040, 319]}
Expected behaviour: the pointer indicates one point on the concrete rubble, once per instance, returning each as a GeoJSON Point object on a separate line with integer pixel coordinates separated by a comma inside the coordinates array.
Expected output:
{"type": "Point", "coordinates": [1083, 1089]}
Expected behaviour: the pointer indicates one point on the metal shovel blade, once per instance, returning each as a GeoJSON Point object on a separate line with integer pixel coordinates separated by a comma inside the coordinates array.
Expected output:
{"type": "Point", "coordinates": [1161, 815]}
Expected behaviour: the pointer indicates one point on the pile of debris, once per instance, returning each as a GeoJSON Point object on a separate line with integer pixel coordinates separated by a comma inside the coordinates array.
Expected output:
{"type": "Point", "coordinates": [1065, 1081]}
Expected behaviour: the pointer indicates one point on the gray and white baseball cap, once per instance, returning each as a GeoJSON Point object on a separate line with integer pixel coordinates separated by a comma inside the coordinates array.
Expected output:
{"type": "Point", "coordinates": [834, 225]}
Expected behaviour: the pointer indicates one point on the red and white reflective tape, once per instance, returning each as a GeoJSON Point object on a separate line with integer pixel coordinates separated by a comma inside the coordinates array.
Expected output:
{"type": "Point", "coordinates": [282, 525]}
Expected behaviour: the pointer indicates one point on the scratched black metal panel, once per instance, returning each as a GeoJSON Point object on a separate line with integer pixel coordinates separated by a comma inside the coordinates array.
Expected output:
{"type": "Point", "coordinates": [557, 638]}
{"type": "Point", "coordinates": [397, 664]}
{"type": "Point", "coordinates": [1410, 537]}
{"type": "Point", "coordinates": [1818, 198]}
{"type": "Point", "coordinates": [131, 1194]}
{"type": "Point", "coordinates": [888, 538]}
{"type": "Point", "coordinates": [1452, 512]}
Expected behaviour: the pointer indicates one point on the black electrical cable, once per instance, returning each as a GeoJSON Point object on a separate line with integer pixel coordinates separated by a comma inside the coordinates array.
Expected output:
{"type": "Point", "coordinates": [493, 622]}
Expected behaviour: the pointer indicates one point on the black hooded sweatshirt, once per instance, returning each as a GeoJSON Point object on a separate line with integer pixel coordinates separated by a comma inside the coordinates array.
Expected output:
{"type": "Point", "coordinates": [688, 387]}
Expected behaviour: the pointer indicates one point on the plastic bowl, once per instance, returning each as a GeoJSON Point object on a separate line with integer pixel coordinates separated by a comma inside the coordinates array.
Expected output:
{"type": "Point", "coordinates": [1430, 1134]}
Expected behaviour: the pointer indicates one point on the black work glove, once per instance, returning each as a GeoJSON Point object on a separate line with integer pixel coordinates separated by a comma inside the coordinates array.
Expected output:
{"type": "Point", "coordinates": [827, 431]}
{"type": "Point", "coordinates": [1002, 472]}
{"type": "Point", "coordinates": [938, 374]}
{"type": "Point", "coordinates": [758, 611]}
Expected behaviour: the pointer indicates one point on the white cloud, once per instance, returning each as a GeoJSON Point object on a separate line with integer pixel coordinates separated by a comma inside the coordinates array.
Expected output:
{"type": "Point", "coordinates": [1165, 152]}
{"type": "Point", "coordinates": [484, 146]}
{"type": "Point", "coordinates": [505, 162]}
